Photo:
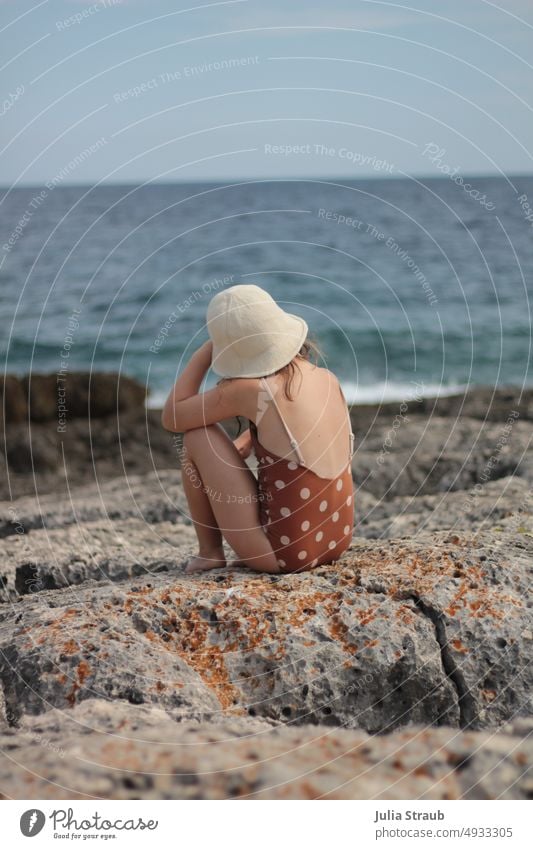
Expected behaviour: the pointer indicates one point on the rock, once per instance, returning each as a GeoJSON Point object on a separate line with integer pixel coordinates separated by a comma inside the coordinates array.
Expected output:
{"type": "Point", "coordinates": [41, 396]}
{"type": "Point", "coordinates": [439, 455]}
{"type": "Point", "coordinates": [122, 751]}
{"type": "Point", "coordinates": [156, 497]}
{"type": "Point", "coordinates": [31, 453]}
{"type": "Point", "coordinates": [464, 510]}
{"type": "Point", "coordinates": [85, 394]}
{"type": "Point", "coordinates": [13, 401]}
{"type": "Point", "coordinates": [308, 651]}
{"type": "Point", "coordinates": [99, 394]}
{"type": "Point", "coordinates": [420, 636]}
{"type": "Point", "coordinates": [486, 404]}
{"type": "Point", "coordinates": [429, 630]}
{"type": "Point", "coordinates": [93, 551]}
{"type": "Point", "coordinates": [474, 588]}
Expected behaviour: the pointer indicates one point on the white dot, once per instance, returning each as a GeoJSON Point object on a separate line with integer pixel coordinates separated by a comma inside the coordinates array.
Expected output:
{"type": "Point", "coordinates": [279, 484]}
{"type": "Point", "coordinates": [292, 466]}
{"type": "Point", "coordinates": [305, 493]}
{"type": "Point", "coordinates": [332, 544]}
{"type": "Point", "coordinates": [314, 562]}
{"type": "Point", "coordinates": [346, 530]}
{"type": "Point", "coordinates": [335, 517]}
{"type": "Point", "coordinates": [323, 506]}
{"type": "Point", "coordinates": [319, 536]}
{"type": "Point", "coordinates": [269, 460]}
{"type": "Point", "coordinates": [302, 555]}
{"type": "Point", "coordinates": [306, 525]}
{"type": "Point", "coordinates": [285, 511]}
{"type": "Point", "coordinates": [281, 563]}
{"type": "Point", "coordinates": [349, 500]}
{"type": "Point", "coordinates": [339, 485]}
{"type": "Point", "coordinates": [284, 540]}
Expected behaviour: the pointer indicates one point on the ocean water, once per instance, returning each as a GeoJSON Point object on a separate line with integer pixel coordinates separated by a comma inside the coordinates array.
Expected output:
{"type": "Point", "coordinates": [410, 286]}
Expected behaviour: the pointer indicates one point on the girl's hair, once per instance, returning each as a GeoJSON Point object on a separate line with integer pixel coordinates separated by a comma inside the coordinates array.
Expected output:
{"type": "Point", "coordinates": [309, 349]}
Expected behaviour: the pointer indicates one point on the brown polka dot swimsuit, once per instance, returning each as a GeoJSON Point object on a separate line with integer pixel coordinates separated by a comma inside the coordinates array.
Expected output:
{"type": "Point", "coordinates": [307, 519]}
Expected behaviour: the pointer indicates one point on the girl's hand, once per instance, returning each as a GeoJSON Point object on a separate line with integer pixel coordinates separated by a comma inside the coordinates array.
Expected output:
{"type": "Point", "coordinates": [243, 444]}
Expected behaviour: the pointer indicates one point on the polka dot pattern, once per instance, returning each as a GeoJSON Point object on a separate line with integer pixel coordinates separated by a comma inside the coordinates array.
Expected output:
{"type": "Point", "coordinates": [303, 514]}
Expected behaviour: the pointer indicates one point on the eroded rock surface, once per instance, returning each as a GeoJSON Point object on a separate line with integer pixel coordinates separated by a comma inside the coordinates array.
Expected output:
{"type": "Point", "coordinates": [420, 636]}
{"type": "Point", "coordinates": [120, 751]}
{"type": "Point", "coordinates": [433, 629]}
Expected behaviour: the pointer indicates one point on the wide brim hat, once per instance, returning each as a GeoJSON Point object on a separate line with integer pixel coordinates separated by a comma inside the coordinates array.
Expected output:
{"type": "Point", "coordinates": [251, 335]}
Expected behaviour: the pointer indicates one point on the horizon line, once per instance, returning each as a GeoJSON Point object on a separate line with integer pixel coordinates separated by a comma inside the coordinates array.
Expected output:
{"type": "Point", "coordinates": [222, 180]}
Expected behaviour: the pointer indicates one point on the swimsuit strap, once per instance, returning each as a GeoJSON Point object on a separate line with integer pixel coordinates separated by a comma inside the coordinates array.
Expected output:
{"type": "Point", "coordinates": [292, 440]}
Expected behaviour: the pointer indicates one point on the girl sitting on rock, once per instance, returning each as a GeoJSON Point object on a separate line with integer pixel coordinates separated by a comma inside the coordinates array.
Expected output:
{"type": "Point", "coordinates": [298, 513]}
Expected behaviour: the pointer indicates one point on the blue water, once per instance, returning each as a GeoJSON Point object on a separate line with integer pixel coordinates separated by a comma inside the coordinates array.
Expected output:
{"type": "Point", "coordinates": [424, 286]}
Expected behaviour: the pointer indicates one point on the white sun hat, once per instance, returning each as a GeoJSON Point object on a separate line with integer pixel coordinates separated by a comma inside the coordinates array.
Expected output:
{"type": "Point", "coordinates": [252, 336]}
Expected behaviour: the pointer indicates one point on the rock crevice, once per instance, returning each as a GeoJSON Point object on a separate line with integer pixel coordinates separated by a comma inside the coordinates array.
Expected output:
{"type": "Point", "coordinates": [466, 703]}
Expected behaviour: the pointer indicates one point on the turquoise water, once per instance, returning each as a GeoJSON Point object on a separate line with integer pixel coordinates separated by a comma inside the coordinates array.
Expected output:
{"type": "Point", "coordinates": [408, 286]}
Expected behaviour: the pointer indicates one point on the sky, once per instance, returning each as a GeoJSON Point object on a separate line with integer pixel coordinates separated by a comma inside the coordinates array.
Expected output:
{"type": "Point", "coordinates": [152, 90]}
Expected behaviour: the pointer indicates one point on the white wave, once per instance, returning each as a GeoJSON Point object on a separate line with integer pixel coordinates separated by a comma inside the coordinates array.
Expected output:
{"type": "Point", "coordinates": [383, 392]}
{"type": "Point", "coordinates": [356, 393]}
{"type": "Point", "coordinates": [157, 398]}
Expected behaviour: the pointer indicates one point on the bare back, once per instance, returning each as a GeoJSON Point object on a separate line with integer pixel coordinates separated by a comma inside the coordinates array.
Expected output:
{"type": "Point", "coordinates": [317, 418]}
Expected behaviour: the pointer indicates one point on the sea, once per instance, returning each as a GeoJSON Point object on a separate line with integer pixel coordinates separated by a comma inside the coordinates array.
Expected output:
{"type": "Point", "coordinates": [412, 286]}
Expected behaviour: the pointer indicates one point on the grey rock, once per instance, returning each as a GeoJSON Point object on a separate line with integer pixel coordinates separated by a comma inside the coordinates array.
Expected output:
{"type": "Point", "coordinates": [439, 455]}
{"type": "Point", "coordinates": [154, 497]}
{"type": "Point", "coordinates": [433, 629]}
{"type": "Point", "coordinates": [122, 751]}
{"type": "Point", "coordinates": [48, 559]}
{"type": "Point", "coordinates": [301, 648]}
{"type": "Point", "coordinates": [474, 587]}
{"type": "Point", "coordinates": [483, 506]}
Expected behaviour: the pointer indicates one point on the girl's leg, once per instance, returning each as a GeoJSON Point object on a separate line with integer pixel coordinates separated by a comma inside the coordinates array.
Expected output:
{"type": "Point", "coordinates": [210, 550]}
{"type": "Point", "coordinates": [226, 504]}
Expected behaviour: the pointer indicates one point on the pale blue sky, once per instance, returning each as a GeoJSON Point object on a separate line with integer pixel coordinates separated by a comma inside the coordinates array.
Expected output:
{"type": "Point", "coordinates": [360, 87]}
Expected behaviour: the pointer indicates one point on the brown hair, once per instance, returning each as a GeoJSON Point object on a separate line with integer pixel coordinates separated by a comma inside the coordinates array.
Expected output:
{"type": "Point", "coordinates": [309, 349]}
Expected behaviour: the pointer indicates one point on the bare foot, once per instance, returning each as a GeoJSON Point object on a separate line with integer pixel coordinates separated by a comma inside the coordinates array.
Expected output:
{"type": "Point", "coordinates": [204, 562]}
{"type": "Point", "coordinates": [236, 564]}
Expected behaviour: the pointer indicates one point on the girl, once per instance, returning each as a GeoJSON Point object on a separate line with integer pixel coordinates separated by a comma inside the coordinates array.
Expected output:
{"type": "Point", "coordinates": [298, 513]}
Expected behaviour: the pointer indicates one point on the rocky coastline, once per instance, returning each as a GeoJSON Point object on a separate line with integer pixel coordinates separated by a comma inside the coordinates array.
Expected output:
{"type": "Point", "coordinates": [403, 671]}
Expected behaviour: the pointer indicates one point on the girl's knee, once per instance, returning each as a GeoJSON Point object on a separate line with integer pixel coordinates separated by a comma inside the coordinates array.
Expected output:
{"type": "Point", "coordinates": [196, 435]}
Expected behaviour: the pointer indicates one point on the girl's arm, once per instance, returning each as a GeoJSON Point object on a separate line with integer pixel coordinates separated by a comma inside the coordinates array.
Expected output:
{"type": "Point", "coordinates": [243, 444]}
{"type": "Point", "coordinates": [185, 409]}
